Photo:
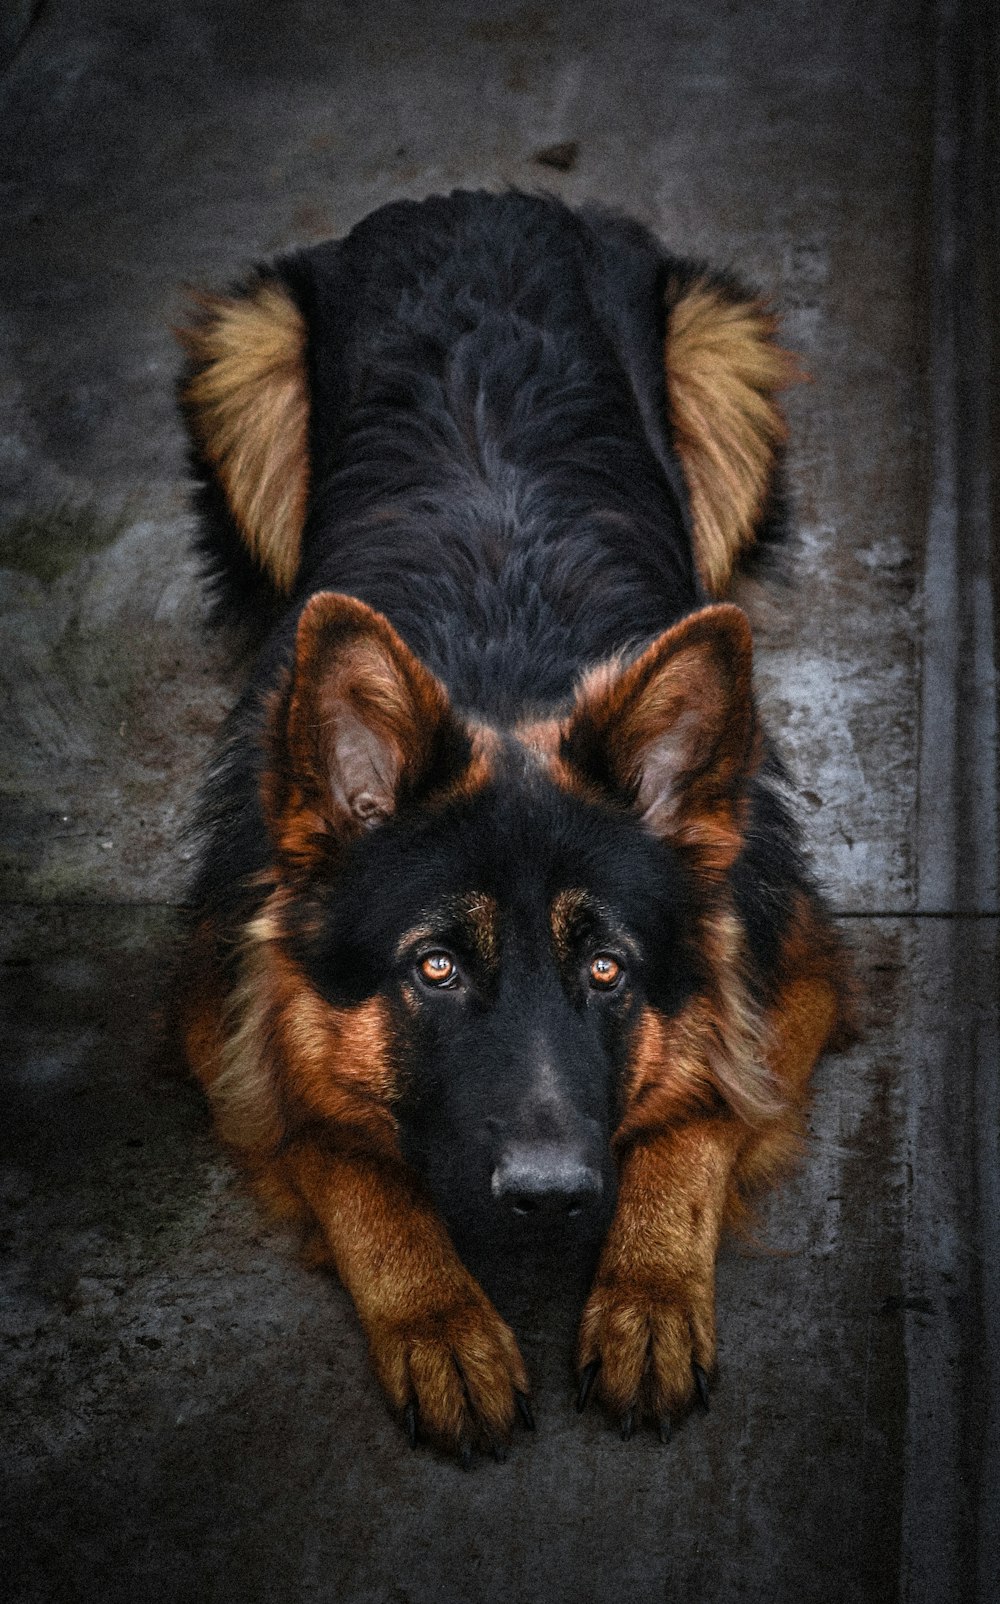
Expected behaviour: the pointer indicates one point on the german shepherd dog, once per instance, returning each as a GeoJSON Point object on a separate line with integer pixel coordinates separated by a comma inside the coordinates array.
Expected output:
{"type": "Point", "coordinates": [501, 931]}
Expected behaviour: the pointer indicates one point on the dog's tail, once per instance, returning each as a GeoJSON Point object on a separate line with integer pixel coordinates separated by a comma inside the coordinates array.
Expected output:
{"type": "Point", "coordinates": [724, 369]}
{"type": "Point", "coordinates": [245, 395]}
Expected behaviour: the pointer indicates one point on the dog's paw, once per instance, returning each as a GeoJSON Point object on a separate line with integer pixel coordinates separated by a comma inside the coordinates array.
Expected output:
{"type": "Point", "coordinates": [647, 1350]}
{"type": "Point", "coordinates": [455, 1374]}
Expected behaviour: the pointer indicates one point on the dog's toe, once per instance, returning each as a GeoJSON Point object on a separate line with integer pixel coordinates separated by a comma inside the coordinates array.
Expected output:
{"type": "Point", "coordinates": [647, 1352]}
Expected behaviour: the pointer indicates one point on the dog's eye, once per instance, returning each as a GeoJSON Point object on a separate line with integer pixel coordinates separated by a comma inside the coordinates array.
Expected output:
{"type": "Point", "coordinates": [438, 969]}
{"type": "Point", "coordinates": [605, 971]}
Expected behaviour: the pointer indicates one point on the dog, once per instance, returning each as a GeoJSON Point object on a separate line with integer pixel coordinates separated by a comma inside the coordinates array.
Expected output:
{"type": "Point", "coordinates": [501, 931]}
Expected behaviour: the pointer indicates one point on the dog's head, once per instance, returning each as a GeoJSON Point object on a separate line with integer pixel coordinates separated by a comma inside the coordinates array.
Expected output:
{"type": "Point", "coordinates": [518, 942]}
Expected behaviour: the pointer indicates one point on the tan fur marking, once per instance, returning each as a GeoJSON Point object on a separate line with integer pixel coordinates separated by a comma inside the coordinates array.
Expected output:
{"type": "Point", "coordinates": [244, 1093]}
{"type": "Point", "coordinates": [282, 1053]}
{"type": "Point", "coordinates": [813, 1011]}
{"type": "Point", "coordinates": [564, 916]}
{"type": "Point", "coordinates": [716, 1047]}
{"type": "Point", "coordinates": [813, 951]}
{"type": "Point", "coordinates": [574, 906]}
{"type": "Point", "coordinates": [477, 914]}
{"type": "Point", "coordinates": [412, 938]}
{"type": "Point", "coordinates": [478, 774]}
{"type": "Point", "coordinates": [541, 736]}
{"type": "Point", "coordinates": [248, 400]}
{"type": "Point", "coordinates": [723, 369]}
{"type": "Point", "coordinates": [482, 916]}
{"type": "Point", "coordinates": [541, 739]}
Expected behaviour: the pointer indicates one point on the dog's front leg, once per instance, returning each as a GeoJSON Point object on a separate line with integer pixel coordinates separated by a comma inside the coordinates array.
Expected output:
{"type": "Point", "coordinates": [648, 1332]}
{"type": "Point", "coordinates": [445, 1358]}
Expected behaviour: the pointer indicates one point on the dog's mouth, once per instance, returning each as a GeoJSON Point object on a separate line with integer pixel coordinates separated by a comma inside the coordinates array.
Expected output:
{"type": "Point", "coordinates": [556, 1208]}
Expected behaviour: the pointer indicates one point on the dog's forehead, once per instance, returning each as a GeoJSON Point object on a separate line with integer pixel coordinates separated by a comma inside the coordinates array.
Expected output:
{"type": "Point", "coordinates": [520, 864]}
{"type": "Point", "coordinates": [524, 865]}
{"type": "Point", "coordinates": [522, 839]}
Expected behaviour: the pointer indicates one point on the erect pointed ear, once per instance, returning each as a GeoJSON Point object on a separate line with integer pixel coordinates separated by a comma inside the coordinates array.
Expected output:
{"type": "Point", "coordinates": [674, 735]}
{"type": "Point", "coordinates": [362, 726]}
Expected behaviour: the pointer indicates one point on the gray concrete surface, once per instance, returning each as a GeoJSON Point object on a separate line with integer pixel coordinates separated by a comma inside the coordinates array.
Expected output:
{"type": "Point", "coordinates": [188, 1413]}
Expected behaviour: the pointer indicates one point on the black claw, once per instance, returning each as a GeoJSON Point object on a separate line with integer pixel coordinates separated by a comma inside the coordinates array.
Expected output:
{"type": "Point", "coordinates": [500, 1453]}
{"type": "Point", "coordinates": [627, 1425]}
{"type": "Point", "coordinates": [524, 1410]}
{"type": "Point", "coordinates": [410, 1424]}
{"type": "Point", "coordinates": [465, 1455]}
{"type": "Point", "coordinates": [666, 1428]}
{"type": "Point", "coordinates": [701, 1382]}
{"type": "Point", "coordinates": [586, 1383]}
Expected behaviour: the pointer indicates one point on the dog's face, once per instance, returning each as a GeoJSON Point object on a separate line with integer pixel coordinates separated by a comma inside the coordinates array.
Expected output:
{"type": "Point", "coordinates": [526, 917]}
{"type": "Point", "coordinates": [516, 935]}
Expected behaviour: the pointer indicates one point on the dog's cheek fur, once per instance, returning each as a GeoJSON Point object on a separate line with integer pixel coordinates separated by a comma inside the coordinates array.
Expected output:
{"type": "Point", "coordinates": [812, 1008]}
{"type": "Point", "coordinates": [725, 1052]}
{"type": "Point", "coordinates": [709, 1056]}
{"type": "Point", "coordinates": [726, 1056]}
{"type": "Point", "coordinates": [283, 1060]}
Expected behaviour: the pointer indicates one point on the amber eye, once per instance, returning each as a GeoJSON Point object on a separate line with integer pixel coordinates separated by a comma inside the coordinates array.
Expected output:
{"type": "Point", "coordinates": [605, 971]}
{"type": "Point", "coordinates": [438, 969]}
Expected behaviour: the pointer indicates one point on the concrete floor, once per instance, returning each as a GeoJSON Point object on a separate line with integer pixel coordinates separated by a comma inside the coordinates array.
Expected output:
{"type": "Point", "coordinates": [189, 1413]}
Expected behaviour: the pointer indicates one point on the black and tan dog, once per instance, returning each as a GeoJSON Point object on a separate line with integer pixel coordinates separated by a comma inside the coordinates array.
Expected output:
{"type": "Point", "coordinates": [501, 927]}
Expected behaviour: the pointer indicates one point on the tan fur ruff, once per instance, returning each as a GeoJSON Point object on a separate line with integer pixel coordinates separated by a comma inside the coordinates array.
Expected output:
{"type": "Point", "coordinates": [248, 402]}
{"type": "Point", "coordinates": [717, 1046]}
{"type": "Point", "coordinates": [243, 1094]}
{"type": "Point", "coordinates": [723, 368]}
{"type": "Point", "coordinates": [289, 1059]}
{"type": "Point", "coordinates": [737, 1055]}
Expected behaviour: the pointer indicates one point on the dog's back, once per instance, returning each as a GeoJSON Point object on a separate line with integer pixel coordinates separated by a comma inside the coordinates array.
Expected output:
{"type": "Point", "coordinates": [485, 462]}
{"type": "Point", "coordinates": [485, 443]}
{"type": "Point", "coordinates": [464, 420]}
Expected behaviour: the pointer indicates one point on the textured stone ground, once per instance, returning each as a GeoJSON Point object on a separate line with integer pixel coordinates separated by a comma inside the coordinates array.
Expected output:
{"type": "Point", "coordinates": [188, 1412]}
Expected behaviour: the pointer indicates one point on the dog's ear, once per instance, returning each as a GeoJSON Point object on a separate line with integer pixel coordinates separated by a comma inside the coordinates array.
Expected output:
{"type": "Point", "coordinates": [674, 735]}
{"type": "Point", "coordinates": [361, 728]}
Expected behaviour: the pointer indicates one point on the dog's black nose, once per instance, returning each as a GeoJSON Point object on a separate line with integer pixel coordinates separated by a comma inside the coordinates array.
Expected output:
{"type": "Point", "coordinates": [545, 1179]}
